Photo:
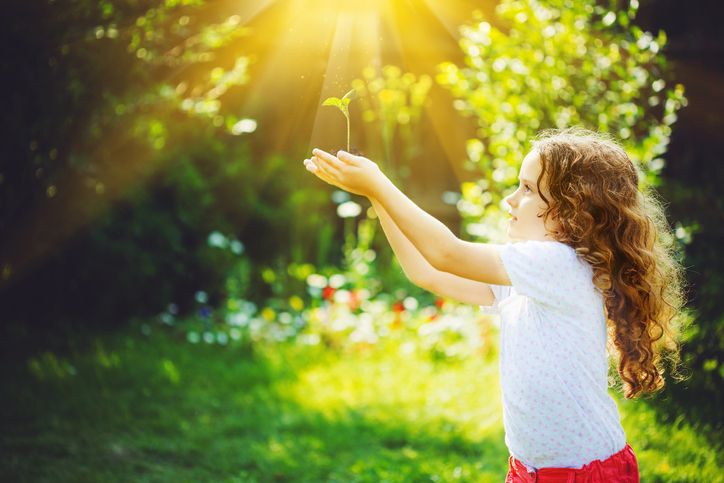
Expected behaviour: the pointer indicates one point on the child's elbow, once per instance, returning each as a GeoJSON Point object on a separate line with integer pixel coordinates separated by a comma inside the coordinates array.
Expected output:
{"type": "Point", "coordinates": [442, 260]}
{"type": "Point", "coordinates": [422, 280]}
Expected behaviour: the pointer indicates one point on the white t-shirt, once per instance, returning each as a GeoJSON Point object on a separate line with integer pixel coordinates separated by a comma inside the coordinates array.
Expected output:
{"type": "Point", "coordinates": [553, 366]}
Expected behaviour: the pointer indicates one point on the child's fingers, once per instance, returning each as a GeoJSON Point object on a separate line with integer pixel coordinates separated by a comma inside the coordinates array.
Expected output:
{"type": "Point", "coordinates": [327, 159]}
{"type": "Point", "coordinates": [309, 165]}
{"type": "Point", "coordinates": [313, 168]}
{"type": "Point", "coordinates": [328, 169]}
{"type": "Point", "coordinates": [348, 158]}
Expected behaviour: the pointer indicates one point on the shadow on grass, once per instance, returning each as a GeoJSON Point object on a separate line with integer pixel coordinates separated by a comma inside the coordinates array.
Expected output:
{"type": "Point", "coordinates": [160, 409]}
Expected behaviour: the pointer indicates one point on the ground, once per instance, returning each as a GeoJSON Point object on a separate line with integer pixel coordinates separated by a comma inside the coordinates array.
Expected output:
{"type": "Point", "coordinates": [155, 408]}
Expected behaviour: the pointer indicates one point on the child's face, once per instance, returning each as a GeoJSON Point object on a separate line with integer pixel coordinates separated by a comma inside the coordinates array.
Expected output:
{"type": "Point", "coordinates": [526, 205]}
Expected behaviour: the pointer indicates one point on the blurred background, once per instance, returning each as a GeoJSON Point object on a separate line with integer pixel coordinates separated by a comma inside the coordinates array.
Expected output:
{"type": "Point", "coordinates": [152, 194]}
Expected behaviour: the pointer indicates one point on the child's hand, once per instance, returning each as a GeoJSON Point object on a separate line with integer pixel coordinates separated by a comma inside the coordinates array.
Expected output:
{"type": "Point", "coordinates": [355, 174]}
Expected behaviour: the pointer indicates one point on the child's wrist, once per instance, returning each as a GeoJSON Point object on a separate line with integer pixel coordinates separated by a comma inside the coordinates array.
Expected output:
{"type": "Point", "coordinates": [379, 188]}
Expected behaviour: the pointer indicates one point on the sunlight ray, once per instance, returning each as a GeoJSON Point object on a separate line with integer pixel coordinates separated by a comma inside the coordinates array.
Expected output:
{"type": "Point", "coordinates": [336, 79]}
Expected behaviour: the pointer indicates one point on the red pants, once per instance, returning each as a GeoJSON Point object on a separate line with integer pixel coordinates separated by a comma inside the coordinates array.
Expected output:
{"type": "Point", "coordinates": [618, 468]}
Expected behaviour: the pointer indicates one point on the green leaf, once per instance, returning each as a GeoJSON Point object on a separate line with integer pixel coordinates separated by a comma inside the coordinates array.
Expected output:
{"type": "Point", "coordinates": [333, 101]}
{"type": "Point", "coordinates": [350, 95]}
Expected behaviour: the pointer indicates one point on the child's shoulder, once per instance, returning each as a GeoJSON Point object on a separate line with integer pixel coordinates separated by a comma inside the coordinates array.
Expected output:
{"type": "Point", "coordinates": [553, 248]}
{"type": "Point", "coordinates": [545, 255]}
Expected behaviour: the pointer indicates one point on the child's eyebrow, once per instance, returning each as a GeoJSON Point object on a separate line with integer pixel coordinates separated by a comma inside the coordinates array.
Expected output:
{"type": "Point", "coordinates": [525, 180]}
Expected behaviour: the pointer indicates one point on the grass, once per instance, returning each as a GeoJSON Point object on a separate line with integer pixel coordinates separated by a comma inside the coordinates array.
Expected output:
{"type": "Point", "coordinates": [156, 408]}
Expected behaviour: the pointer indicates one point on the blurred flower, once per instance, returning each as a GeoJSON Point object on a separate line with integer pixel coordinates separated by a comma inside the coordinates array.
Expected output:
{"type": "Point", "coordinates": [370, 255]}
{"type": "Point", "coordinates": [410, 303]}
{"type": "Point", "coordinates": [237, 247]}
{"type": "Point", "coordinates": [268, 313]}
{"type": "Point", "coordinates": [208, 337]}
{"type": "Point", "coordinates": [245, 125]}
{"type": "Point", "coordinates": [451, 198]}
{"type": "Point", "coordinates": [172, 309]}
{"type": "Point", "coordinates": [310, 339]}
{"type": "Point", "coordinates": [349, 209]}
{"type": "Point", "coordinates": [238, 319]}
{"type": "Point", "coordinates": [205, 312]}
{"type": "Point", "coordinates": [222, 338]}
{"type": "Point", "coordinates": [340, 197]}
{"type": "Point", "coordinates": [398, 307]}
{"type": "Point", "coordinates": [166, 318]}
{"type": "Point", "coordinates": [277, 334]}
{"type": "Point", "coordinates": [296, 303]}
{"type": "Point", "coordinates": [217, 239]}
{"type": "Point", "coordinates": [430, 312]}
{"type": "Point", "coordinates": [255, 325]}
{"type": "Point", "coordinates": [321, 315]}
{"type": "Point", "coordinates": [339, 324]}
{"type": "Point", "coordinates": [337, 280]}
{"type": "Point", "coordinates": [316, 280]}
{"type": "Point", "coordinates": [285, 318]}
{"type": "Point", "coordinates": [353, 301]}
{"type": "Point", "coordinates": [193, 337]}
{"type": "Point", "coordinates": [249, 308]}
{"type": "Point", "coordinates": [341, 296]}
{"type": "Point", "coordinates": [328, 292]}
{"type": "Point", "coordinates": [201, 297]}
{"type": "Point", "coordinates": [235, 333]}
{"type": "Point", "coordinates": [407, 348]}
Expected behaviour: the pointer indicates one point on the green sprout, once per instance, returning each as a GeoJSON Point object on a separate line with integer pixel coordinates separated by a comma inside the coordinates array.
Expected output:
{"type": "Point", "coordinates": [342, 105]}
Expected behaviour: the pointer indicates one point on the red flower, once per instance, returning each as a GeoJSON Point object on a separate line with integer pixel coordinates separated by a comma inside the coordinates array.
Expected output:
{"type": "Point", "coordinates": [438, 302]}
{"type": "Point", "coordinates": [353, 301]}
{"type": "Point", "coordinates": [398, 307]}
{"type": "Point", "coordinates": [328, 292]}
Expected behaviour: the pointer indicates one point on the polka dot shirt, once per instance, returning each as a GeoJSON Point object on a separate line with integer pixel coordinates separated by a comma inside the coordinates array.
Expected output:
{"type": "Point", "coordinates": [553, 366]}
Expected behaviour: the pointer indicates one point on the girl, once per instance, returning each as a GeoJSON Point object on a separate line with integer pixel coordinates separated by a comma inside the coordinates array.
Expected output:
{"type": "Point", "coordinates": [593, 270]}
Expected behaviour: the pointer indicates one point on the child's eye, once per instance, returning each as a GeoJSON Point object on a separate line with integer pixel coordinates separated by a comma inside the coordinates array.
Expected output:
{"type": "Point", "coordinates": [528, 189]}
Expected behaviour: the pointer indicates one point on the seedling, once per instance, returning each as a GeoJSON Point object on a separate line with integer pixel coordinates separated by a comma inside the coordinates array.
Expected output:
{"type": "Point", "coordinates": [342, 104]}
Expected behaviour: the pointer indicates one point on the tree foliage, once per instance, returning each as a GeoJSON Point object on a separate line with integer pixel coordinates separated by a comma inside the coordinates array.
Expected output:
{"type": "Point", "coordinates": [553, 64]}
{"type": "Point", "coordinates": [106, 97]}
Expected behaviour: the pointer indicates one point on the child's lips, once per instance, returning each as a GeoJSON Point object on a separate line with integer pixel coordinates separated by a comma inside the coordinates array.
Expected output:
{"type": "Point", "coordinates": [512, 217]}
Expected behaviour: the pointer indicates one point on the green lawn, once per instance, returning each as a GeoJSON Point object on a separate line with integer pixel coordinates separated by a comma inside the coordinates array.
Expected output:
{"type": "Point", "coordinates": [156, 408]}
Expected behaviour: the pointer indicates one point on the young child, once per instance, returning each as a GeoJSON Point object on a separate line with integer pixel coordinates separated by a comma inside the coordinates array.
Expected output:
{"type": "Point", "coordinates": [593, 272]}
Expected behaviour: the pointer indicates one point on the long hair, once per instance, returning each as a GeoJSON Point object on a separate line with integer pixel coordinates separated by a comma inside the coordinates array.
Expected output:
{"type": "Point", "coordinates": [593, 191]}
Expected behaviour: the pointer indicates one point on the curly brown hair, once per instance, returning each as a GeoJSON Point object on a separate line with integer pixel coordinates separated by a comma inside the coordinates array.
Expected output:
{"type": "Point", "coordinates": [620, 229]}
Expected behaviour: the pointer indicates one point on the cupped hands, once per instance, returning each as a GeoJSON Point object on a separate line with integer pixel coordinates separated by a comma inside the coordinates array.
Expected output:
{"type": "Point", "coordinates": [355, 174]}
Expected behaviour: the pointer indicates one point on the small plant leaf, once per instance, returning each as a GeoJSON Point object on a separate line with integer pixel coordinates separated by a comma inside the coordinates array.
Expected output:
{"type": "Point", "coordinates": [333, 101]}
{"type": "Point", "coordinates": [350, 95]}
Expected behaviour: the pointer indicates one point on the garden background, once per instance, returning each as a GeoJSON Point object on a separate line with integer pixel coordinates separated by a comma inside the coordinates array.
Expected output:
{"type": "Point", "coordinates": [181, 301]}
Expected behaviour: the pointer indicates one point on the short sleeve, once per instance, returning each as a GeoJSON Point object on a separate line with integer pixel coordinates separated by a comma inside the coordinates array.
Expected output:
{"type": "Point", "coordinates": [501, 293]}
{"type": "Point", "coordinates": [545, 272]}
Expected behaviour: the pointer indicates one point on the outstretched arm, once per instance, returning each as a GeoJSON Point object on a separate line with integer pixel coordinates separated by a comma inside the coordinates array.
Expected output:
{"type": "Point", "coordinates": [434, 241]}
{"type": "Point", "coordinates": [424, 275]}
